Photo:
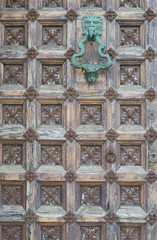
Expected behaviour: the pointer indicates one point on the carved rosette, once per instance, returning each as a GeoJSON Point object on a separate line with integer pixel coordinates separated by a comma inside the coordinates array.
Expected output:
{"type": "Point", "coordinates": [110, 15]}
{"type": "Point", "coordinates": [149, 15]}
{"type": "Point", "coordinates": [151, 218]}
{"type": "Point", "coordinates": [150, 54]}
{"type": "Point", "coordinates": [150, 94]}
{"type": "Point", "coordinates": [32, 53]}
{"type": "Point", "coordinates": [32, 15]}
{"type": "Point", "coordinates": [112, 135]}
{"type": "Point", "coordinates": [111, 94]}
{"type": "Point", "coordinates": [112, 53]}
{"type": "Point", "coordinates": [71, 135]}
{"type": "Point", "coordinates": [151, 135]}
{"type": "Point", "coordinates": [110, 217]}
{"type": "Point", "coordinates": [31, 93]}
{"type": "Point", "coordinates": [151, 177]}
{"type": "Point", "coordinates": [70, 217]}
{"type": "Point", "coordinates": [30, 217]}
{"type": "Point", "coordinates": [71, 94]}
{"type": "Point", "coordinates": [70, 176]}
{"type": "Point", "coordinates": [111, 176]}
{"type": "Point", "coordinates": [30, 176]}
{"type": "Point", "coordinates": [71, 15]}
{"type": "Point", "coordinates": [30, 135]}
{"type": "Point", "coordinates": [70, 53]}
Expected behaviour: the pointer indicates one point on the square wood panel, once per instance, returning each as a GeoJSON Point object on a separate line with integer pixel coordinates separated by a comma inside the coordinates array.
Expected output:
{"type": "Point", "coordinates": [13, 230]}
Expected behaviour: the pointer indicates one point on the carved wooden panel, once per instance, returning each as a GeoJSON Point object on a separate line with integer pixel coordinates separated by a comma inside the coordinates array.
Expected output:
{"type": "Point", "coordinates": [91, 155]}
{"type": "Point", "coordinates": [130, 36]}
{"type": "Point", "coordinates": [91, 114]}
{"type": "Point", "coordinates": [51, 195]}
{"type": "Point", "coordinates": [77, 159]}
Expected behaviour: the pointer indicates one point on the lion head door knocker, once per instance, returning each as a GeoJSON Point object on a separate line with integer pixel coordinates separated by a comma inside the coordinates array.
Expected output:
{"type": "Point", "coordinates": [92, 30]}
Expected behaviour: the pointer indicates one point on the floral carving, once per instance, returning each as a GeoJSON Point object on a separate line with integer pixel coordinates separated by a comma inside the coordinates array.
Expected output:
{"type": "Point", "coordinates": [130, 195]}
{"type": "Point", "coordinates": [110, 15]}
{"type": "Point", "coordinates": [131, 2]}
{"type": "Point", "coordinates": [70, 53]}
{"type": "Point", "coordinates": [130, 155]}
{"type": "Point", "coordinates": [129, 233]}
{"type": "Point", "coordinates": [112, 135]}
{"type": "Point", "coordinates": [111, 176]}
{"type": "Point", "coordinates": [112, 53]}
{"type": "Point", "coordinates": [71, 135]}
{"type": "Point", "coordinates": [150, 135]}
{"type": "Point", "coordinates": [31, 93]}
{"type": "Point", "coordinates": [150, 94]}
{"type": "Point", "coordinates": [51, 232]}
{"type": "Point", "coordinates": [151, 177]}
{"type": "Point", "coordinates": [70, 217]}
{"type": "Point", "coordinates": [12, 154]}
{"type": "Point", "coordinates": [11, 232]}
{"type": "Point", "coordinates": [13, 74]}
{"type": "Point", "coordinates": [51, 114]}
{"type": "Point", "coordinates": [32, 53]}
{"type": "Point", "coordinates": [30, 217]}
{"type": "Point", "coordinates": [52, 35]}
{"type": "Point", "coordinates": [51, 154]}
{"type": "Point", "coordinates": [110, 217]}
{"type": "Point", "coordinates": [149, 15]}
{"type": "Point", "coordinates": [70, 176]}
{"type": "Point", "coordinates": [30, 176]}
{"type": "Point", "coordinates": [90, 233]}
{"type": "Point", "coordinates": [91, 196]}
{"type": "Point", "coordinates": [87, 3]}
{"type": "Point", "coordinates": [129, 75]}
{"type": "Point", "coordinates": [49, 3]}
{"type": "Point", "coordinates": [151, 218]}
{"type": "Point", "coordinates": [111, 94]}
{"type": "Point", "coordinates": [30, 135]}
{"type": "Point", "coordinates": [91, 114]}
{"type": "Point", "coordinates": [11, 195]}
{"type": "Point", "coordinates": [130, 36]}
{"type": "Point", "coordinates": [15, 35]}
{"type": "Point", "coordinates": [12, 114]}
{"type": "Point", "coordinates": [130, 114]}
{"type": "Point", "coordinates": [51, 74]}
{"type": "Point", "coordinates": [32, 15]}
{"type": "Point", "coordinates": [15, 4]}
{"type": "Point", "coordinates": [91, 155]}
{"type": "Point", "coordinates": [71, 94]}
{"type": "Point", "coordinates": [51, 195]}
{"type": "Point", "coordinates": [71, 15]}
{"type": "Point", "coordinates": [150, 54]}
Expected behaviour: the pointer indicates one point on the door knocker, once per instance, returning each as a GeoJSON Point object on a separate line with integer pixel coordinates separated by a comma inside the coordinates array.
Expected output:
{"type": "Point", "coordinates": [92, 30]}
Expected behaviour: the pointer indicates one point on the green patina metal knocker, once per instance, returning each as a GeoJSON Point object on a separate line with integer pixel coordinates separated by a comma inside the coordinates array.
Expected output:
{"type": "Point", "coordinates": [92, 30]}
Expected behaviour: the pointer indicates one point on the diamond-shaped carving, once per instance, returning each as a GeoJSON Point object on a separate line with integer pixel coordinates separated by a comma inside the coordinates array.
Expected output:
{"type": "Point", "coordinates": [32, 53]}
{"type": "Point", "coordinates": [112, 53]}
{"type": "Point", "coordinates": [71, 94]}
{"type": "Point", "coordinates": [30, 135]}
{"type": "Point", "coordinates": [30, 176]}
{"type": "Point", "coordinates": [70, 176]}
{"type": "Point", "coordinates": [71, 15]}
{"type": "Point", "coordinates": [150, 94]}
{"type": "Point", "coordinates": [30, 217]}
{"type": "Point", "coordinates": [110, 15]}
{"type": "Point", "coordinates": [110, 217]}
{"type": "Point", "coordinates": [31, 93]}
{"type": "Point", "coordinates": [111, 176]}
{"type": "Point", "coordinates": [71, 135]}
{"type": "Point", "coordinates": [150, 135]}
{"type": "Point", "coordinates": [70, 217]}
{"type": "Point", "coordinates": [32, 15]}
{"type": "Point", "coordinates": [150, 54]}
{"type": "Point", "coordinates": [151, 218]}
{"type": "Point", "coordinates": [112, 135]}
{"type": "Point", "coordinates": [70, 53]}
{"type": "Point", "coordinates": [149, 15]}
{"type": "Point", "coordinates": [111, 94]}
{"type": "Point", "coordinates": [151, 176]}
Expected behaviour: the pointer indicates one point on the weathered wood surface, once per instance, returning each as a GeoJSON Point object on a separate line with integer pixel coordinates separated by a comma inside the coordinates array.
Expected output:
{"type": "Point", "coordinates": [36, 173]}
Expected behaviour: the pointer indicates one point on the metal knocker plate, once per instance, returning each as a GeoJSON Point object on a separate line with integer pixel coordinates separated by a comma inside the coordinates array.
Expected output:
{"type": "Point", "coordinates": [91, 30]}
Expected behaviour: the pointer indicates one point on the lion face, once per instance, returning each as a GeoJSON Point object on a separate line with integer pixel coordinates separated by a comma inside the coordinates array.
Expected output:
{"type": "Point", "coordinates": [91, 26]}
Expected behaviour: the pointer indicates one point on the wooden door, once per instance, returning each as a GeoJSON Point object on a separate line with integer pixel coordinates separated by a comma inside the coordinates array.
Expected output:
{"type": "Point", "coordinates": [78, 160]}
